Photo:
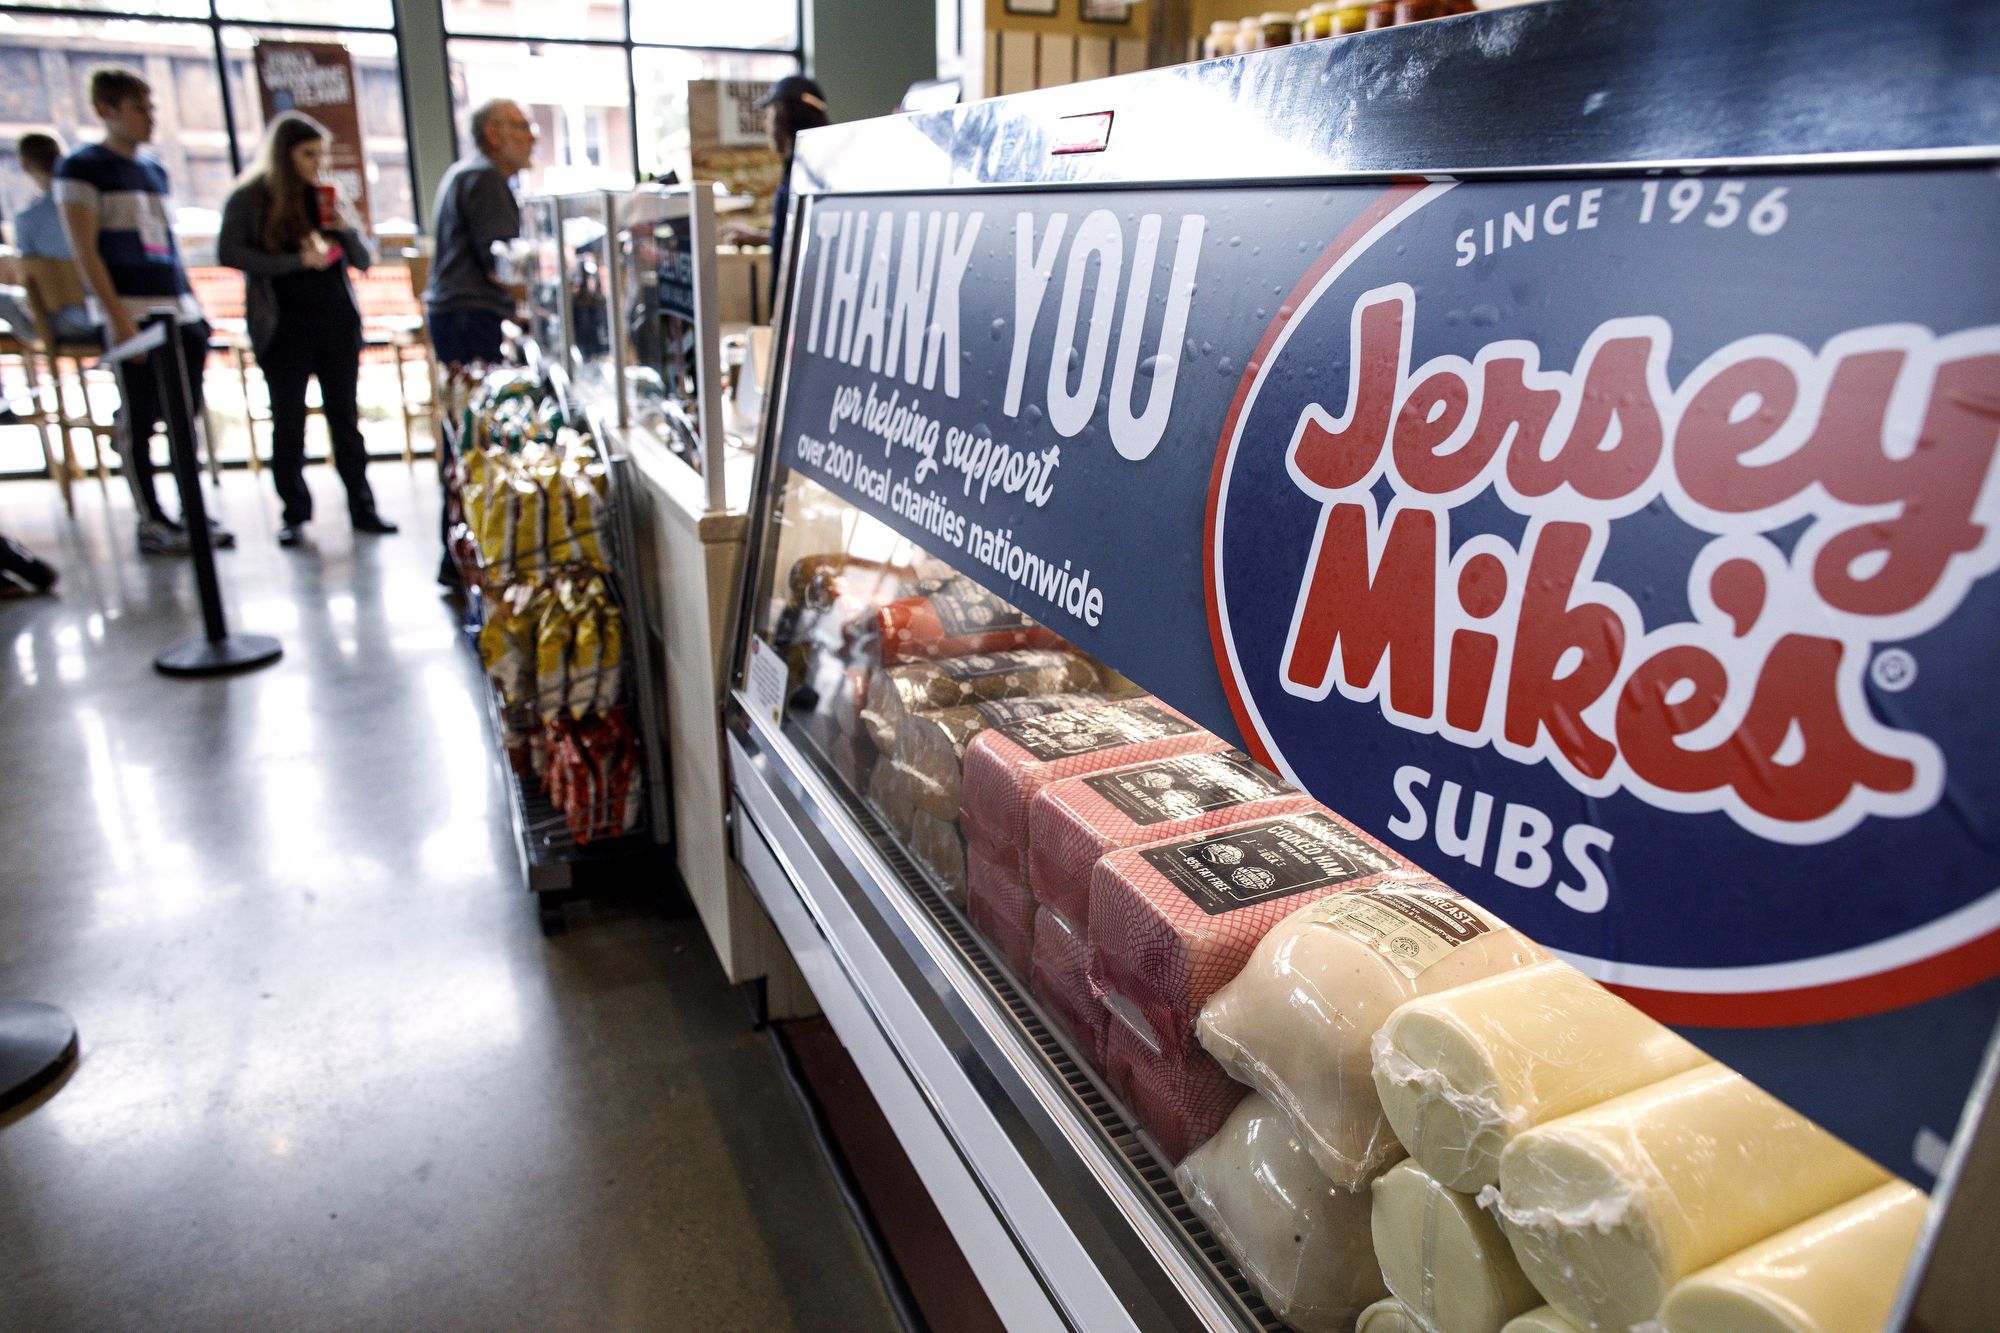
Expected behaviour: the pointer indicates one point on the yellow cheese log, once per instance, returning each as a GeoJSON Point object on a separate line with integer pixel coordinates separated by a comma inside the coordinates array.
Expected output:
{"type": "Point", "coordinates": [1836, 1273]}
{"type": "Point", "coordinates": [1302, 1243]}
{"type": "Point", "coordinates": [1443, 1256]}
{"type": "Point", "coordinates": [1387, 1317]}
{"type": "Point", "coordinates": [1541, 1319]}
{"type": "Point", "coordinates": [1461, 1072]}
{"type": "Point", "coordinates": [1609, 1207]}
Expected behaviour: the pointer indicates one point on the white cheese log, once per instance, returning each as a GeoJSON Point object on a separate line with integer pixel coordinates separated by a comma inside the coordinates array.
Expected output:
{"type": "Point", "coordinates": [1541, 1319]}
{"type": "Point", "coordinates": [1302, 1243]}
{"type": "Point", "coordinates": [1609, 1207]}
{"type": "Point", "coordinates": [1463, 1071]}
{"type": "Point", "coordinates": [1296, 1022]}
{"type": "Point", "coordinates": [1836, 1273]}
{"type": "Point", "coordinates": [1387, 1317]}
{"type": "Point", "coordinates": [1443, 1256]}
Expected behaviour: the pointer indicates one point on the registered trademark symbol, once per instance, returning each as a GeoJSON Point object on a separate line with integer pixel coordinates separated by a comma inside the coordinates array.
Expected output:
{"type": "Point", "coordinates": [1893, 670]}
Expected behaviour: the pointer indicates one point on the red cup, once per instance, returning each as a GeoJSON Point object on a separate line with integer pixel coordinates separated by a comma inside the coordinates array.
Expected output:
{"type": "Point", "coordinates": [329, 204]}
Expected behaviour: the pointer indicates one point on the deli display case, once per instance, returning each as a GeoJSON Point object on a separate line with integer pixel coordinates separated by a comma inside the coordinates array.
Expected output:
{"type": "Point", "coordinates": [1358, 684]}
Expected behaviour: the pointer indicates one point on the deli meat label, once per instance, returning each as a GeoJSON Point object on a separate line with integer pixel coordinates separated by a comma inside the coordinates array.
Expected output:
{"type": "Point", "coordinates": [1185, 787]}
{"type": "Point", "coordinates": [1222, 872]}
{"type": "Point", "coordinates": [1065, 735]}
{"type": "Point", "coordinates": [964, 609]}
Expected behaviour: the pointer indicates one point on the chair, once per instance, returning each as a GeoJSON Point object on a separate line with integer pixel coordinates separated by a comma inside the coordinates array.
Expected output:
{"type": "Point", "coordinates": [55, 284]}
{"type": "Point", "coordinates": [393, 322]}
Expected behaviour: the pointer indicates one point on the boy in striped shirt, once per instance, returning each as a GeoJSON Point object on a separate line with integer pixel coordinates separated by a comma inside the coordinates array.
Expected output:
{"type": "Point", "coordinates": [113, 197]}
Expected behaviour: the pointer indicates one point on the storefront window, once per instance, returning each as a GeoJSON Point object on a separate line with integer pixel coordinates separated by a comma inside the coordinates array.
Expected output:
{"type": "Point", "coordinates": [662, 75]}
{"type": "Point", "coordinates": [771, 24]}
{"type": "Point", "coordinates": [345, 13]}
{"type": "Point", "coordinates": [575, 94]}
{"type": "Point", "coordinates": [594, 19]}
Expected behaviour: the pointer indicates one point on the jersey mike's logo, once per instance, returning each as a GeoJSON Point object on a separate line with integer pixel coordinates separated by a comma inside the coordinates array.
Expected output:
{"type": "Point", "coordinates": [1880, 442]}
{"type": "Point", "coordinates": [1634, 574]}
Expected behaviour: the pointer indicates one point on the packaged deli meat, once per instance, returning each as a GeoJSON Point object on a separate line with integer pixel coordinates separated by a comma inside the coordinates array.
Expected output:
{"type": "Point", "coordinates": [1297, 1023]}
{"type": "Point", "coordinates": [1609, 1207]}
{"type": "Point", "coordinates": [999, 904]}
{"type": "Point", "coordinates": [1835, 1273]}
{"type": "Point", "coordinates": [939, 848]}
{"type": "Point", "coordinates": [1171, 922]}
{"type": "Point", "coordinates": [1059, 975]}
{"type": "Point", "coordinates": [952, 617]}
{"type": "Point", "coordinates": [889, 797]}
{"type": "Point", "coordinates": [1462, 1071]}
{"type": "Point", "coordinates": [1443, 1256]}
{"type": "Point", "coordinates": [1007, 766]}
{"type": "Point", "coordinates": [1073, 822]}
{"type": "Point", "coordinates": [948, 682]}
{"type": "Point", "coordinates": [1304, 1245]}
{"type": "Point", "coordinates": [931, 746]}
{"type": "Point", "coordinates": [1176, 1091]}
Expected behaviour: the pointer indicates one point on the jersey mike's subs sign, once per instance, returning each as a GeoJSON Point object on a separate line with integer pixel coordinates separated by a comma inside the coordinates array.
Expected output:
{"type": "Point", "coordinates": [1617, 549]}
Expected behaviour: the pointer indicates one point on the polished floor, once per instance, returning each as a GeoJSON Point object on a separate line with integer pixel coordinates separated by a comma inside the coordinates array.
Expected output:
{"type": "Point", "coordinates": [332, 1074]}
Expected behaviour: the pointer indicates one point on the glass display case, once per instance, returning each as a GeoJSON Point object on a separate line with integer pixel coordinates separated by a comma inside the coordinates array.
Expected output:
{"type": "Point", "coordinates": [665, 353]}
{"type": "Point", "coordinates": [1202, 629]}
{"type": "Point", "coordinates": [587, 283]}
{"type": "Point", "coordinates": [541, 271]}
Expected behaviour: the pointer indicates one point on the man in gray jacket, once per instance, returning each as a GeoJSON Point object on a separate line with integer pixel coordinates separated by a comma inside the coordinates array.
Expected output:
{"type": "Point", "coordinates": [466, 300]}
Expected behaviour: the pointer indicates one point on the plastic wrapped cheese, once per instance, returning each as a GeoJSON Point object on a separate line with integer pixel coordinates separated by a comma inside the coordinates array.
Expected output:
{"type": "Point", "coordinates": [1059, 974]}
{"type": "Point", "coordinates": [1297, 1023]}
{"type": "Point", "coordinates": [1608, 1207]}
{"type": "Point", "coordinates": [1541, 1319]}
{"type": "Point", "coordinates": [1171, 922]}
{"type": "Point", "coordinates": [1073, 822]}
{"type": "Point", "coordinates": [1835, 1273]}
{"type": "Point", "coordinates": [1443, 1256]}
{"type": "Point", "coordinates": [1006, 766]}
{"type": "Point", "coordinates": [1388, 1316]}
{"type": "Point", "coordinates": [1177, 1091]}
{"type": "Point", "coordinates": [1461, 1072]}
{"type": "Point", "coordinates": [1302, 1243]}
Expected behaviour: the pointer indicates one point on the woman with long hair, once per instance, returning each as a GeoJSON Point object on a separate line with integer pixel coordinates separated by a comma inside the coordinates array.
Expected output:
{"type": "Point", "coordinates": [287, 235]}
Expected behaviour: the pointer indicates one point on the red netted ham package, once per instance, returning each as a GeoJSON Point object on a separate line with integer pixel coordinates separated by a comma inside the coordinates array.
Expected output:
{"type": "Point", "coordinates": [952, 617]}
{"type": "Point", "coordinates": [1176, 1091]}
{"type": "Point", "coordinates": [999, 904]}
{"type": "Point", "coordinates": [1074, 822]}
{"type": "Point", "coordinates": [1059, 975]}
{"type": "Point", "coordinates": [1172, 922]}
{"type": "Point", "coordinates": [1008, 765]}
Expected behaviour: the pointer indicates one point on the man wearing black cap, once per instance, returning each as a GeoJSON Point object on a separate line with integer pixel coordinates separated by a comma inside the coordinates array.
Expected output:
{"type": "Point", "coordinates": [794, 103]}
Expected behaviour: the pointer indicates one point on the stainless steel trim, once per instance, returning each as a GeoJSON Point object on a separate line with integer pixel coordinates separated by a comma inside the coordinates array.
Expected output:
{"type": "Point", "coordinates": [1058, 1184]}
{"type": "Point", "coordinates": [1569, 86]}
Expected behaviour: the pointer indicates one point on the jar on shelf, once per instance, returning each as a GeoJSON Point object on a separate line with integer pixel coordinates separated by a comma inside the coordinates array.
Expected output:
{"type": "Point", "coordinates": [1415, 11]}
{"type": "Point", "coordinates": [1221, 39]}
{"type": "Point", "coordinates": [1381, 14]}
{"type": "Point", "coordinates": [1317, 22]}
{"type": "Point", "coordinates": [1249, 35]}
{"type": "Point", "coordinates": [1277, 26]}
{"type": "Point", "coordinates": [1349, 16]}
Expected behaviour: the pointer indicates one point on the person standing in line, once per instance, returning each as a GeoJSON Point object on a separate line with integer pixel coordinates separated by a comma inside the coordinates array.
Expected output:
{"type": "Point", "coordinates": [793, 104]}
{"type": "Point", "coordinates": [304, 320]}
{"type": "Point", "coordinates": [38, 231]}
{"type": "Point", "coordinates": [113, 196]}
{"type": "Point", "coordinates": [466, 301]}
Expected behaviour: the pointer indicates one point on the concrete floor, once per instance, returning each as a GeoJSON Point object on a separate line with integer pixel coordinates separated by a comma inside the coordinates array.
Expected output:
{"type": "Point", "coordinates": [332, 1075]}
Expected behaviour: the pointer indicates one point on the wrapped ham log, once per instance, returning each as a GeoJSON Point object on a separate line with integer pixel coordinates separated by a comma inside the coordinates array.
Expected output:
{"type": "Point", "coordinates": [1074, 822]}
{"type": "Point", "coordinates": [1171, 922]}
{"type": "Point", "coordinates": [949, 682]}
{"type": "Point", "coordinates": [1007, 766]}
{"type": "Point", "coordinates": [1297, 1023]}
{"type": "Point", "coordinates": [1303, 1244]}
{"type": "Point", "coordinates": [1059, 975]}
{"type": "Point", "coordinates": [1175, 1090]}
{"type": "Point", "coordinates": [950, 618]}
{"type": "Point", "coordinates": [998, 903]}
{"type": "Point", "coordinates": [931, 746]}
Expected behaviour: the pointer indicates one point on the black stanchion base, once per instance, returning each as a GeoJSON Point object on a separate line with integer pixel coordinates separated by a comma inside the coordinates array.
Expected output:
{"type": "Point", "coordinates": [212, 657]}
{"type": "Point", "coordinates": [36, 1042]}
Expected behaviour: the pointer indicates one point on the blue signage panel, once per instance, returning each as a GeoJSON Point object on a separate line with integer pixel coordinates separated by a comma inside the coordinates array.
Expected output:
{"type": "Point", "coordinates": [1617, 548]}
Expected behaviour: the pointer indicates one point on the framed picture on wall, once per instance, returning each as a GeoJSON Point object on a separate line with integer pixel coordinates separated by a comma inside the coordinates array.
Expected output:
{"type": "Point", "coordinates": [1107, 11]}
{"type": "Point", "coordinates": [1043, 7]}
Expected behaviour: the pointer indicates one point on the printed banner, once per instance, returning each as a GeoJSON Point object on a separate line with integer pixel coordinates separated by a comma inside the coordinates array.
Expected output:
{"type": "Point", "coordinates": [1618, 549]}
{"type": "Point", "coordinates": [317, 79]}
